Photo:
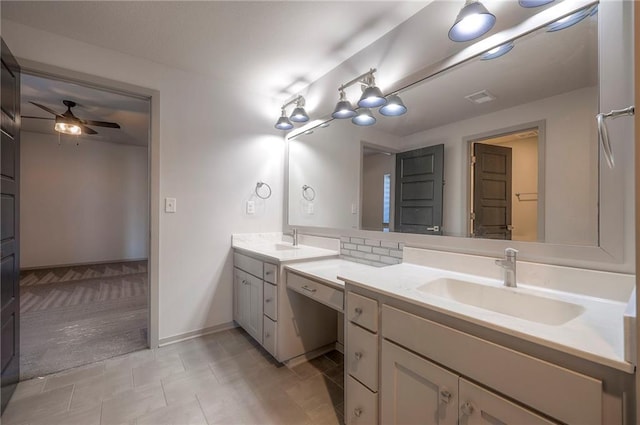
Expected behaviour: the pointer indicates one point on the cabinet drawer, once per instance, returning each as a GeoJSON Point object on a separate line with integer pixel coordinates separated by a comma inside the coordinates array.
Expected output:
{"type": "Point", "coordinates": [534, 382]}
{"type": "Point", "coordinates": [269, 329]}
{"type": "Point", "coordinates": [327, 295]}
{"type": "Point", "coordinates": [271, 273]}
{"type": "Point", "coordinates": [363, 311]}
{"type": "Point", "coordinates": [362, 404]}
{"type": "Point", "coordinates": [271, 301]}
{"type": "Point", "coordinates": [362, 356]}
{"type": "Point", "coordinates": [248, 264]}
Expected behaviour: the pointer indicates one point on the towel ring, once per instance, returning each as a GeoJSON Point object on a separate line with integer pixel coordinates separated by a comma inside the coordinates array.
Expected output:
{"type": "Point", "coordinates": [308, 193]}
{"type": "Point", "coordinates": [259, 186]}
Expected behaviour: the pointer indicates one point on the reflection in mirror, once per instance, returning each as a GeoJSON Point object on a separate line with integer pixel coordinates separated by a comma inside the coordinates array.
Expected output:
{"type": "Point", "coordinates": [538, 100]}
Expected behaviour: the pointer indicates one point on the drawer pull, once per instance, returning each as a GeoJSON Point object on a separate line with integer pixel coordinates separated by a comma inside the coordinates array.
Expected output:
{"type": "Point", "coordinates": [358, 311]}
{"type": "Point", "coordinates": [358, 355]}
{"type": "Point", "coordinates": [268, 273]}
{"type": "Point", "coordinates": [267, 300]}
{"type": "Point", "coordinates": [306, 288]}
{"type": "Point", "coordinates": [357, 412]}
{"type": "Point", "coordinates": [245, 282]}
{"type": "Point", "coordinates": [267, 334]}
{"type": "Point", "coordinates": [467, 409]}
{"type": "Point", "coordinates": [445, 396]}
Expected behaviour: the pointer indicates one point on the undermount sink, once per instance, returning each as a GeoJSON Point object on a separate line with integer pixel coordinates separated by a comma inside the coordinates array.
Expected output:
{"type": "Point", "coordinates": [284, 247]}
{"type": "Point", "coordinates": [504, 300]}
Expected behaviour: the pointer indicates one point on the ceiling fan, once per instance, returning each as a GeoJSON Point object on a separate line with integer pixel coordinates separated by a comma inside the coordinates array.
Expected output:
{"type": "Point", "coordinates": [68, 123]}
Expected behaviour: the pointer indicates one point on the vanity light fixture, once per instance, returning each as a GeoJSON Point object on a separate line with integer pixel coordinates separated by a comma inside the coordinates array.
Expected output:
{"type": "Point", "coordinates": [298, 114]}
{"type": "Point", "coordinates": [473, 21]}
{"type": "Point", "coordinates": [394, 106]}
{"type": "Point", "coordinates": [572, 19]}
{"type": "Point", "coordinates": [67, 126]}
{"type": "Point", "coordinates": [496, 52]}
{"type": "Point", "coordinates": [534, 3]}
{"type": "Point", "coordinates": [364, 117]}
{"type": "Point", "coordinates": [344, 108]}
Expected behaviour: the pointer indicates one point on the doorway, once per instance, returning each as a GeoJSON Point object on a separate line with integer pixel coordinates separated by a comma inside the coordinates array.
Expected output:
{"type": "Point", "coordinates": [84, 281]}
{"type": "Point", "coordinates": [376, 204]}
{"type": "Point", "coordinates": [505, 186]}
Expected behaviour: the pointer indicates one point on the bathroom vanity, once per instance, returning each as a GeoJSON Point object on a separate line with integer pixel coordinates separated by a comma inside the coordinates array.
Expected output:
{"type": "Point", "coordinates": [286, 323]}
{"type": "Point", "coordinates": [462, 348]}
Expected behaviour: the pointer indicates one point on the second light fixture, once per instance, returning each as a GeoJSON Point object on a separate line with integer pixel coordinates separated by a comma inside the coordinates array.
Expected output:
{"type": "Point", "coordinates": [372, 97]}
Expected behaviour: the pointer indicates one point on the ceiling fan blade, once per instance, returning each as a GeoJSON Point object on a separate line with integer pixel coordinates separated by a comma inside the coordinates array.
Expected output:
{"type": "Point", "coordinates": [49, 110]}
{"type": "Point", "coordinates": [101, 123]}
{"type": "Point", "coordinates": [38, 118]}
{"type": "Point", "coordinates": [87, 130]}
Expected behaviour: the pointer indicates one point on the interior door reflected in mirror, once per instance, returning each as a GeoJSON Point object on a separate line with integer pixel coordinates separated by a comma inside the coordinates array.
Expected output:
{"type": "Point", "coordinates": [504, 187]}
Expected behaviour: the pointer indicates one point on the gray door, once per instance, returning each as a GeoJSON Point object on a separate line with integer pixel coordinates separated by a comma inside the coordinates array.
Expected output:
{"type": "Point", "coordinates": [419, 181]}
{"type": "Point", "coordinates": [9, 226]}
{"type": "Point", "coordinates": [491, 191]}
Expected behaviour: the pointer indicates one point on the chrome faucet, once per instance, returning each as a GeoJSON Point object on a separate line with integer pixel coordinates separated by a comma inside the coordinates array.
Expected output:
{"type": "Point", "coordinates": [294, 235]}
{"type": "Point", "coordinates": [509, 266]}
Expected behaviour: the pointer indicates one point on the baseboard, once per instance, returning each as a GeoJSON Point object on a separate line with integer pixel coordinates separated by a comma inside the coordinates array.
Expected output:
{"type": "Point", "coordinates": [310, 355]}
{"type": "Point", "coordinates": [195, 334]}
{"type": "Point", "coordinates": [90, 263]}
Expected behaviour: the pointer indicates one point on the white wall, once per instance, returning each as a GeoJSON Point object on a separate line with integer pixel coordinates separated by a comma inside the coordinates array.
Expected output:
{"type": "Point", "coordinates": [216, 142]}
{"type": "Point", "coordinates": [571, 156]}
{"type": "Point", "coordinates": [81, 203]}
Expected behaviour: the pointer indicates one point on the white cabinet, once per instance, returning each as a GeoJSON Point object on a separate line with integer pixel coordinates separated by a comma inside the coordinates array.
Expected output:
{"type": "Point", "coordinates": [248, 303]}
{"type": "Point", "coordinates": [414, 389]}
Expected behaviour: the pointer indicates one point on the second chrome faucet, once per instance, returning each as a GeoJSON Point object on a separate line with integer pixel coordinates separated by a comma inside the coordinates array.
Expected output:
{"type": "Point", "coordinates": [509, 266]}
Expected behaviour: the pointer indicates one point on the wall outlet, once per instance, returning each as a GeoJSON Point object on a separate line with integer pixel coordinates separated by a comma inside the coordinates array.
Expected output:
{"type": "Point", "coordinates": [170, 205]}
{"type": "Point", "coordinates": [309, 209]}
{"type": "Point", "coordinates": [251, 207]}
{"type": "Point", "coordinates": [354, 208]}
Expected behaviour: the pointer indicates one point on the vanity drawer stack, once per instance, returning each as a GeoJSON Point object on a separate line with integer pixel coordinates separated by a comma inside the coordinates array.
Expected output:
{"type": "Point", "coordinates": [255, 299]}
{"type": "Point", "coordinates": [362, 360]}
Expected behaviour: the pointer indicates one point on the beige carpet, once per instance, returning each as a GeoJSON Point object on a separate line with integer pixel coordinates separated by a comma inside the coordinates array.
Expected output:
{"type": "Point", "coordinates": [72, 316]}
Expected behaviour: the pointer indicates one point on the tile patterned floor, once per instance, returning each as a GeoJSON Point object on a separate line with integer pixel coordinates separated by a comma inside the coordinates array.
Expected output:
{"type": "Point", "coordinates": [72, 316]}
{"type": "Point", "coordinates": [224, 378]}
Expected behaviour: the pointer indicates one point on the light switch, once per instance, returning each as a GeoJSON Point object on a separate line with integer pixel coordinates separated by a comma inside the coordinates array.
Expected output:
{"type": "Point", "coordinates": [354, 208]}
{"type": "Point", "coordinates": [251, 207]}
{"type": "Point", "coordinates": [170, 205]}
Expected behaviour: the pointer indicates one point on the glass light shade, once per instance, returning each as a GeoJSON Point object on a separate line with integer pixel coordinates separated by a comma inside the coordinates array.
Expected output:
{"type": "Point", "coordinates": [364, 117]}
{"type": "Point", "coordinates": [473, 21]}
{"type": "Point", "coordinates": [496, 52]}
{"type": "Point", "coordinates": [67, 127]}
{"type": "Point", "coordinates": [284, 123]}
{"type": "Point", "coordinates": [371, 98]}
{"type": "Point", "coordinates": [534, 3]}
{"type": "Point", "coordinates": [394, 107]}
{"type": "Point", "coordinates": [299, 115]}
{"type": "Point", "coordinates": [570, 20]}
{"type": "Point", "coordinates": [344, 109]}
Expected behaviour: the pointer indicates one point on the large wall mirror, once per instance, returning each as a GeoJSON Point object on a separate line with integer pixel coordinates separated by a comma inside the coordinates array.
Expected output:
{"type": "Point", "coordinates": [526, 117]}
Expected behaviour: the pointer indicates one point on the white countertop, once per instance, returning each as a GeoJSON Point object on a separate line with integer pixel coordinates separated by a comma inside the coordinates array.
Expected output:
{"type": "Point", "coordinates": [270, 246]}
{"type": "Point", "coordinates": [327, 270]}
{"type": "Point", "coordinates": [596, 335]}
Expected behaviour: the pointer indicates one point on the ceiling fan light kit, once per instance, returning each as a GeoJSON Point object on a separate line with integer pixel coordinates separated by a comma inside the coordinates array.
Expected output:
{"type": "Point", "coordinates": [68, 123]}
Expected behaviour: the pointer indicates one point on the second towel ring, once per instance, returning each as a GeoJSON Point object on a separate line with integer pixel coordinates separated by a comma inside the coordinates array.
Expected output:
{"type": "Point", "coordinates": [259, 186]}
{"type": "Point", "coordinates": [308, 193]}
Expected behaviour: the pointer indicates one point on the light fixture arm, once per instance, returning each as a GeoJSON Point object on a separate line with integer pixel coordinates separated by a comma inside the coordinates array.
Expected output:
{"type": "Point", "coordinates": [366, 79]}
{"type": "Point", "coordinates": [298, 100]}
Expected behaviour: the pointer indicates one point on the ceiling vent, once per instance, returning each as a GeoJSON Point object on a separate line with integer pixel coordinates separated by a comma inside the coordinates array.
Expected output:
{"type": "Point", "coordinates": [480, 97]}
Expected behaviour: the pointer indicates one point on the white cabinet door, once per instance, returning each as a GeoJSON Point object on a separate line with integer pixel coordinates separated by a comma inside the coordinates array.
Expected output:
{"type": "Point", "coordinates": [414, 390]}
{"type": "Point", "coordinates": [252, 305]}
{"type": "Point", "coordinates": [239, 277]}
{"type": "Point", "coordinates": [481, 407]}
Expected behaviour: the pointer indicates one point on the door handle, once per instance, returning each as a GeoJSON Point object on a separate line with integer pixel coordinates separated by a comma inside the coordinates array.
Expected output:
{"type": "Point", "coordinates": [433, 228]}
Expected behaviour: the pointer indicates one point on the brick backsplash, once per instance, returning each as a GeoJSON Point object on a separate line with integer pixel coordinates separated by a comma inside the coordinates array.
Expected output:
{"type": "Point", "coordinates": [371, 251]}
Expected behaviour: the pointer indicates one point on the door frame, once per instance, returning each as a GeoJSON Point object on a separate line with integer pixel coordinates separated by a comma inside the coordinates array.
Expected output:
{"type": "Point", "coordinates": [382, 149]}
{"type": "Point", "coordinates": [153, 158]}
{"type": "Point", "coordinates": [469, 140]}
